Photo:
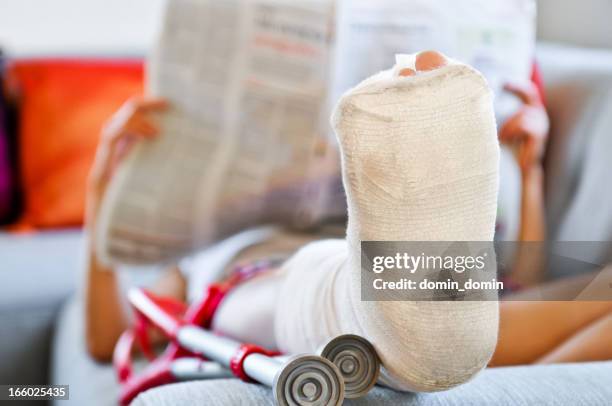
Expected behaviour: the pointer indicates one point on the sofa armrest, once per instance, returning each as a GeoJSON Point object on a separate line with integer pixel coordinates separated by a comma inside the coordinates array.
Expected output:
{"type": "Point", "coordinates": [578, 85]}
{"type": "Point", "coordinates": [579, 101]}
{"type": "Point", "coordinates": [38, 272]}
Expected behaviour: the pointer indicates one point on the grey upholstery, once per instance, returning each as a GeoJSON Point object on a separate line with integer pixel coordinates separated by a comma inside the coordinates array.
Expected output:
{"type": "Point", "coordinates": [94, 384]}
{"type": "Point", "coordinates": [38, 272]}
{"type": "Point", "coordinates": [91, 383]}
{"type": "Point", "coordinates": [578, 100]}
{"type": "Point", "coordinates": [577, 384]}
{"type": "Point", "coordinates": [578, 165]}
{"type": "Point", "coordinates": [583, 23]}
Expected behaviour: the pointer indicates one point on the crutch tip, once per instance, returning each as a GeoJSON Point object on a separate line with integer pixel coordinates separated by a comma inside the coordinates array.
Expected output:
{"type": "Point", "coordinates": [308, 380]}
{"type": "Point", "coordinates": [357, 362]}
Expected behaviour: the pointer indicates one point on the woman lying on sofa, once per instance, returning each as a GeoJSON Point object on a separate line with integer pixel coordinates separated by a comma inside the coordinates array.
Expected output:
{"type": "Point", "coordinates": [310, 290]}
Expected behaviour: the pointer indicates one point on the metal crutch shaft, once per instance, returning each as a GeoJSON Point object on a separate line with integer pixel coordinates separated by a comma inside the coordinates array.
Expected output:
{"type": "Point", "coordinates": [301, 380]}
{"type": "Point", "coordinates": [190, 369]}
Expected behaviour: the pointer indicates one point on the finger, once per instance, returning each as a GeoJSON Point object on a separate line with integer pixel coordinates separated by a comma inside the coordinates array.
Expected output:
{"type": "Point", "coordinates": [528, 94]}
{"type": "Point", "coordinates": [407, 72]}
{"type": "Point", "coordinates": [120, 152]}
{"type": "Point", "coordinates": [128, 135]}
{"type": "Point", "coordinates": [141, 127]}
{"type": "Point", "coordinates": [156, 104]}
{"type": "Point", "coordinates": [511, 130]}
{"type": "Point", "coordinates": [429, 60]}
{"type": "Point", "coordinates": [115, 160]}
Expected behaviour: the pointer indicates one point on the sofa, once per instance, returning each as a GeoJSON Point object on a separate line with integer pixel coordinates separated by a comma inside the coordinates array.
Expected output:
{"type": "Point", "coordinates": [41, 334]}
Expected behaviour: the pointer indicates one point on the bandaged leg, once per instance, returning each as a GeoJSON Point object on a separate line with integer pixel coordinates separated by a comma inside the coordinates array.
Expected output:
{"type": "Point", "coordinates": [420, 163]}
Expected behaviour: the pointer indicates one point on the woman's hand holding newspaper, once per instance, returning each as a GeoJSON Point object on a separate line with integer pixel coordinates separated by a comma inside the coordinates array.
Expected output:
{"type": "Point", "coordinates": [131, 123]}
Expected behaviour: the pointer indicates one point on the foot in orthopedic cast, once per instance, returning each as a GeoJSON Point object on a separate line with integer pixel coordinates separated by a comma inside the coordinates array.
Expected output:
{"type": "Point", "coordinates": [420, 163]}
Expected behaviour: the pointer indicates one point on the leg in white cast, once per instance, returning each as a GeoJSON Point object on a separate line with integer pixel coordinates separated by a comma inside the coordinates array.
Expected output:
{"type": "Point", "coordinates": [420, 163]}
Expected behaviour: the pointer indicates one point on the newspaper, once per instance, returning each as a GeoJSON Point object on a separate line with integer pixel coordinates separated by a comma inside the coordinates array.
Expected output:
{"type": "Point", "coordinates": [251, 83]}
{"type": "Point", "coordinates": [497, 37]}
{"type": "Point", "coordinates": [246, 79]}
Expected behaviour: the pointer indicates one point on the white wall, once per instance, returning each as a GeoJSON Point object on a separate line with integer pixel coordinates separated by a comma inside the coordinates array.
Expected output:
{"type": "Point", "coordinates": [100, 27]}
{"type": "Point", "coordinates": [81, 27]}
{"type": "Point", "coordinates": [579, 22]}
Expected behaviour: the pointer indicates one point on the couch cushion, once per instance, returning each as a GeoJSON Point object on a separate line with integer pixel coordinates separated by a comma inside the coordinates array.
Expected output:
{"type": "Point", "coordinates": [578, 164]}
{"type": "Point", "coordinates": [38, 272]}
{"type": "Point", "coordinates": [64, 104]}
{"type": "Point", "coordinates": [91, 383]}
{"type": "Point", "coordinates": [579, 90]}
{"type": "Point", "coordinates": [38, 267]}
{"type": "Point", "coordinates": [569, 384]}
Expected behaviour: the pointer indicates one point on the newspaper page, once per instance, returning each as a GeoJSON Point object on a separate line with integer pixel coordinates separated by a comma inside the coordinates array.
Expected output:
{"type": "Point", "coordinates": [246, 79]}
{"type": "Point", "coordinates": [497, 37]}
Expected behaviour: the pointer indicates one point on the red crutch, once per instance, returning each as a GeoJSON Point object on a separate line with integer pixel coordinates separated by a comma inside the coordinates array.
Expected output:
{"type": "Point", "coordinates": [298, 380]}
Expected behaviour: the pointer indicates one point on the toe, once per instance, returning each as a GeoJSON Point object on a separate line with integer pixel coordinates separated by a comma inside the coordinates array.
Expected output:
{"type": "Point", "coordinates": [407, 72]}
{"type": "Point", "coordinates": [430, 60]}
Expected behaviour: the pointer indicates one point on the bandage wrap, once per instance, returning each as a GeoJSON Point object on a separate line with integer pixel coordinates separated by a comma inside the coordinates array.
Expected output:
{"type": "Point", "coordinates": [420, 163]}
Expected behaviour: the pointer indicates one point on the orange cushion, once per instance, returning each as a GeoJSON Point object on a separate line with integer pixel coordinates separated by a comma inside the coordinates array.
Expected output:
{"type": "Point", "coordinates": [64, 104]}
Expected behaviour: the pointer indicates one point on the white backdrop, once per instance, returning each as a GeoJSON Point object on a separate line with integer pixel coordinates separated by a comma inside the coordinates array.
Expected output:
{"type": "Point", "coordinates": [65, 27]}
{"type": "Point", "coordinates": [579, 22]}
{"type": "Point", "coordinates": [78, 27]}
